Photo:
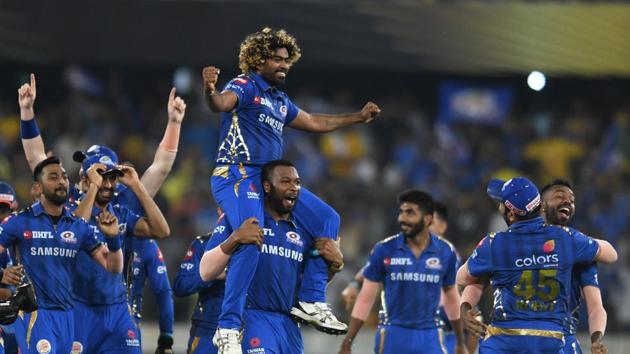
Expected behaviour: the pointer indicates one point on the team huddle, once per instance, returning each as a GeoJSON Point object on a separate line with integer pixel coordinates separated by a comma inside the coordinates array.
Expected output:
{"type": "Point", "coordinates": [75, 262]}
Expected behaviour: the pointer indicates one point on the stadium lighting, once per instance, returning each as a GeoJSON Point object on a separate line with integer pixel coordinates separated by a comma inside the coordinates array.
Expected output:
{"type": "Point", "coordinates": [536, 80]}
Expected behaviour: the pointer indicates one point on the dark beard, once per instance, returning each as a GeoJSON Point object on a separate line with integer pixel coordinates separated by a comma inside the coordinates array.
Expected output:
{"type": "Point", "coordinates": [55, 198]}
{"type": "Point", "coordinates": [415, 230]}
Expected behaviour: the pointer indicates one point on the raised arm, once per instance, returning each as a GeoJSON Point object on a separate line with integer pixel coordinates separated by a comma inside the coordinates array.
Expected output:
{"type": "Point", "coordinates": [31, 138]}
{"type": "Point", "coordinates": [154, 224]}
{"type": "Point", "coordinates": [84, 210]}
{"type": "Point", "coordinates": [217, 102]}
{"type": "Point", "coordinates": [324, 123]}
{"type": "Point", "coordinates": [156, 174]}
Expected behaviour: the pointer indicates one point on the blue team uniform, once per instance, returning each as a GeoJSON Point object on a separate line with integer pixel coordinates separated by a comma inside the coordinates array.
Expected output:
{"type": "Point", "coordinates": [583, 275]}
{"type": "Point", "coordinates": [411, 293]}
{"type": "Point", "coordinates": [101, 298]}
{"type": "Point", "coordinates": [208, 305]}
{"type": "Point", "coordinates": [530, 268]}
{"type": "Point", "coordinates": [8, 342]}
{"type": "Point", "coordinates": [250, 136]}
{"type": "Point", "coordinates": [49, 254]}
{"type": "Point", "coordinates": [148, 264]}
{"type": "Point", "coordinates": [269, 327]}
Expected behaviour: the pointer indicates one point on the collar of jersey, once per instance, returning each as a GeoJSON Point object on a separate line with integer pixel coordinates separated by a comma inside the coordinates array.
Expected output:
{"type": "Point", "coordinates": [291, 219]}
{"type": "Point", "coordinates": [259, 81]}
{"type": "Point", "coordinates": [38, 210]}
{"type": "Point", "coordinates": [526, 225]}
{"type": "Point", "coordinates": [433, 246]}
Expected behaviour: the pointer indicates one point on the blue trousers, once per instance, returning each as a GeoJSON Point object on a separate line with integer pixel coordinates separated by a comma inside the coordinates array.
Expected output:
{"type": "Point", "coordinates": [238, 191]}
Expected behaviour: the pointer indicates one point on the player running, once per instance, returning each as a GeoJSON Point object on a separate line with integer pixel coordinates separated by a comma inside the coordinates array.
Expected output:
{"type": "Point", "coordinates": [254, 114]}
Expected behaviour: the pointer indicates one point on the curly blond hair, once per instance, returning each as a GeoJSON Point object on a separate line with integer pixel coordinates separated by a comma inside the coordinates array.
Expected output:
{"type": "Point", "coordinates": [257, 47]}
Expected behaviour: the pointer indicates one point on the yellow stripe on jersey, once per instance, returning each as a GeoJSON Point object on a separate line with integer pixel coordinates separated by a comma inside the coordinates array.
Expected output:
{"type": "Point", "coordinates": [194, 345]}
{"type": "Point", "coordinates": [29, 331]}
{"type": "Point", "coordinates": [381, 342]}
{"type": "Point", "coordinates": [441, 339]}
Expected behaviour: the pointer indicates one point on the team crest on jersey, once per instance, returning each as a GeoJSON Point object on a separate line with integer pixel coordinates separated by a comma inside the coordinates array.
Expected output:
{"type": "Point", "coordinates": [77, 348]}
{"type": "Point", "coordinates": [43, 346]}
{"type": "Point", "coordinates": [549, 246]}
{"type": "Point", "coordinates": [283, 111]}
{"type": "Point", "coordinates": [122, 228]}
{"type": "Point", "coordinates": [433, 263]}
{"type": "Point", "coordinates": [294, 238]}
{"type": "Point", "coordinates": [68, 237]}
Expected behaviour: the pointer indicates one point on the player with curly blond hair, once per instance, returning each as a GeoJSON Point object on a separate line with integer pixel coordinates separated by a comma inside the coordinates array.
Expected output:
{"type": "Point", "coordinates": [254, 113]}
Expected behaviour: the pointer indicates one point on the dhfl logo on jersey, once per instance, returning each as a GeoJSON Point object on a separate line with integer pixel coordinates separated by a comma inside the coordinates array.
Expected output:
{"type": "Point", "coordinates": [400, 261]}
{"type": "Point", "coordinates": [27, 235]}
{"type": "Point", "coordinates": [549, 246]}
{"type": "Point", "coordinates": [387, 261]}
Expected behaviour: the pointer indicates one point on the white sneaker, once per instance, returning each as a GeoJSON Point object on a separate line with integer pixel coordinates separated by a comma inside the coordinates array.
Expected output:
{"type": "Point", "coordinates": [227, 341]}
{"type": "Point", "coordinates": [320, 316]}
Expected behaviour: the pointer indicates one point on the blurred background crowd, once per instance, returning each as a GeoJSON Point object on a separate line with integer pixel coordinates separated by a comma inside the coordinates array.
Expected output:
{"type": "Point", "coordinates": [446, 135]}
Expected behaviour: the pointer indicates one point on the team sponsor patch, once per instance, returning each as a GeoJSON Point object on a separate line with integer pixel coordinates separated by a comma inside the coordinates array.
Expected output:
{"type": "Point", "coordinates": [189, 254]}
{"type": "Point", "coordinates": [27, 235]}
{"type": "Point", "coordinates": [433, 263]}
{"type": "Point", "coordinates": [161, 269]}
{"type": "Point", "coordinates": [549, 246]}
{"type": "Point", "coordinates": [77, 348]}
{"type": "Point", "coordinates": [68, 237]}
{"type": "Point", "coordinates": [1, 229]}
{"type": "Point", "coordinates": [131, 340]}
{"type": "Point", "coordinates": [241, 81]}
{"type": "Point", "coordinates": [387, 261]}
{"type": "Point", "coordinates": [400, 261]}
{"type": "Point", "coordinates": [43, 346]}
{"type": "Point", "coordinates": [255, 350]}
{"type": "Point", "coordinates": [294, 238]}
{"type": "Point", "coordinates": [159, 255]}
{"type": "Point", "coordinates": [254, 342]}
{"type": "Point", "coordinates": [252, 193]}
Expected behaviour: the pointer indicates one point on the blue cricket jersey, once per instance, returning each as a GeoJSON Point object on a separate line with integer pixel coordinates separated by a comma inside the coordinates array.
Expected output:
{"type": "Point", "coordinates": [411, 286]}
{"type": "Point", "coordinates": [530, 267]}
{"type": "Point", "coordinates": [188, 281]}
{"type": "Point", "coordinates": [582, 275]}
{"type": "Point", "coordinates": [94, 285]}
{"type": "Point", "coordinates": [49, 252]}
{"type": "Point", "coordinates": [252, 132]}
{"type": "Point", "coordinates": [280, 265]}
{"type": "Point", "coordinates": [148, 264]}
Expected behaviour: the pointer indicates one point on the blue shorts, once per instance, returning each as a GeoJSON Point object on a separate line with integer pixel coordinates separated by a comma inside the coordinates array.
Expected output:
{"type": "Point", "coordinates": [49, 331]}
{"type": "Point", "coordinates": [521, 344]}
{"type": "Point", "coordinates": [572, 345]}
{"type": "Point", "coordinates": [105, 329]}
{"type": "Point", "coordinates": [449, 341]}
{"type": "Point", "coordinates": [399, 340]}
{"type": "Point", "coordinates": [271, 333]}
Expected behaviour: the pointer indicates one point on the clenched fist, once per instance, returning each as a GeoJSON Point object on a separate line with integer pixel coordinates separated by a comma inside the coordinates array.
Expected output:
{"type": "Point", "coordinates": [210, 77]}
{"type": "Point", "coordinates": [370, 111]}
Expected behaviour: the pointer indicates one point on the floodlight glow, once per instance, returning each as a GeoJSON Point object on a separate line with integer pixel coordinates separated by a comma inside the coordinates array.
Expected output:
{"type": "Point", "coordinates": [536, 80]}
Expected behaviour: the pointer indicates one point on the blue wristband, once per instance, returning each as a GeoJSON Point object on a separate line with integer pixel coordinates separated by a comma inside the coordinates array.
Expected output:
{"type": "Point", "coordinates": [29, 129]}
{"type": "Point", "coordinates": [113, 243]}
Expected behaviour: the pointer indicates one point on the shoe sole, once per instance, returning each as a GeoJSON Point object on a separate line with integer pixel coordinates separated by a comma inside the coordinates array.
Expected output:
{"type": "Point", "coordinates": [307, 321]}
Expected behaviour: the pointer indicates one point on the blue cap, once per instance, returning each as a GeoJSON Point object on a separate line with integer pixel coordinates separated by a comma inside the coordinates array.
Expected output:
{"type": "Point", "coordinates": [79, 156]}
{"type": "Point", "coordinates": [7, 195]}
{"type": "Point", "coordinates": [518, 194]}
{"type": "Point", "coordinates": [111, 164]}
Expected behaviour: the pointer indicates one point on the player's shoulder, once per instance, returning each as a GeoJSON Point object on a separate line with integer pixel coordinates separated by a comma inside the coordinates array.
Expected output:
{"type": "Point", "coordinates": [202, 238]}
{"type": "Point", "coordinates": [389, 242]}
{"type": "Point", "coordinates": [242, 80]}
{"type": "Point", "coordinates": [444, 243]}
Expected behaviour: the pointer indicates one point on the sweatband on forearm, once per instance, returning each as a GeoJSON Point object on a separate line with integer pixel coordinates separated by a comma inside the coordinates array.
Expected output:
{"type": "Point", "coordinates": [113, 243]}
{"type": "Point", "coordinates": [29, 129]}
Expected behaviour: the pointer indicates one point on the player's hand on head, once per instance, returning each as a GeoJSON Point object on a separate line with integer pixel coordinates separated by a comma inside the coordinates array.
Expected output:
{"type": "Point", "coordinates": [250, 232]}
{"type": "Point", "coordinates": [329, 250]}
{"type": "Point", "coordinates": [12, 275]}
{"type": "Point", "coordinates": [130, 175]}
{"type": "Point", "coordinates": [94, 174]}
{"type": "Point", "coordinates": [107, 223]}
{"type": "Point", "coordinates": [27, 94]}
{"type": "Point", "coordinates": [210, 77]}
{"type": "Point", "coordinates": [176, 107]}
{"type": "Point", "coordinates": [370, 111]}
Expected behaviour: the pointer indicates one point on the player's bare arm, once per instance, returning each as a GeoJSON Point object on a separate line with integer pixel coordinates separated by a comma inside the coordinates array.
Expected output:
{"type": "Point", "coordinates": [33, 146]}
{"type": "Point", "coordinates": [217, 102]}
{"type": "Point", "coordinates": [165, 155]}
{"type": "Point", "coordinates": [469, 314]}
{"type": "Point", "coordinates": [112, 260]}
{"type": "Point", "coordinates": [12, 275]}
{"type": "Point", "coordinates": [360, 312]}
{"type": "Point", "coordinates": [154, 224]}
{"type": "Point", "coordinates": [465, 278]}
{"type": "Point", "coordinates": [606, 253]}
{"type": "Point", "coordinates": [213, 262]}
{"type": "Point", "coordinates": [451, 301]}
{"type": "Point", "coordinates": [597, 315]}
{"type": "Point", "coordinates": [350, 293]}
{"type": "Point", "coordinates": [95, 180]}
{"type": "Point", "coordinates": [324, 123]}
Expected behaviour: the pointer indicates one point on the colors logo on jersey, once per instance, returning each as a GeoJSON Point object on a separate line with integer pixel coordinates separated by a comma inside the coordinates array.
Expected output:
{"type": "Point", "coordinates": [77, 348]}
{"type": "Point", "coordinates": [547, 261]}
{"type": "Point", "coordinates": [433, 263]}
{"type": "Point", "coordinates": [549, 246]}
{"type": "Point", "coordinates": [294, 238]}
{"type": "Point", "coordinates": [68, 237]}
{"type": "Point", "coordinates": [43, 346]}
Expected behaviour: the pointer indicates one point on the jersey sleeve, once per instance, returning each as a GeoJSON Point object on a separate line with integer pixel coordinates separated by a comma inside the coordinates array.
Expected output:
{"type": "Point", "coordinates": [375, 267]}
{"type": "Point", "coordinates": [129, 199]}
{"type": "Point", "coordinates": [480, 261]}
{"type": "Point", "coordinates": [243, 87]}
{"type": "Point", "coordinates": [585, 247]}
{"type": "Point", "coordinates": [89, 240]}
{"type": "Point", "coordinates": [451, 268]}
{"type": "Point", "coordinates": [292, 112]}
{"type": "Point", "coordinates": [587, 274]}
{"type": "Point", "coordinates": [188, 280]}
{"type": "Point", "coordinates": [130, 219]}
{"type": "Point", "coordinates": [9, 232]}
{"type": "Point", "coordinates": [220, 233]}
{"type": "Point", "coordinates": [160, 286]}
